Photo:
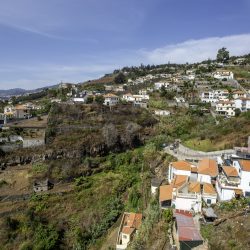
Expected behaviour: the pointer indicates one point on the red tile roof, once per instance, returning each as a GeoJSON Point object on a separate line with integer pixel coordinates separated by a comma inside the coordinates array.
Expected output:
{"type": "Point", "coordinates": [208, 167]}
{"type": "Point", "coordinates": [181, 165]}
{"type": "Point", "coordinates": [208, 189]}
{"type": "Point", "coordinates": [245, 165]}
{"type": "Point", "coordinates": [165, 193]}
{"type": "Point", "coordinates": [133, 220]}
{"type": "Point", "coordinates": [179, 180]}
{"type": "Point", "coordinates": [230, 171]}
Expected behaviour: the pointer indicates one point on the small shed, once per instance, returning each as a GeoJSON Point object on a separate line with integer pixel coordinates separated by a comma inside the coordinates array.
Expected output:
{"type": "Point", "coordinates": [44, 185]}
{"type": "Point", "coordinates": [209, 215]}
{"type": "Point", "coordinates": [155, 183]}
{"type": "Point", "coordinates": [188, 234]}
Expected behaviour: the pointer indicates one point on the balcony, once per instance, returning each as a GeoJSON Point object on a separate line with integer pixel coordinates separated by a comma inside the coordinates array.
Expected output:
{"type": "Point", "coordinates": [224, 182]}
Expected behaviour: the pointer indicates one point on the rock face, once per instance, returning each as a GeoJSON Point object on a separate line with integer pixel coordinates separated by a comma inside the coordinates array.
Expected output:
{"type": "Point", "coordinates": [77, 131]}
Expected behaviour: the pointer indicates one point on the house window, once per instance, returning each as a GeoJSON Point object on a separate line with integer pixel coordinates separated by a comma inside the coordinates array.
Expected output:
{"type": "Point", "coordinates": [209, 201]}
{"type": "Point", "coordinates": [125, 236]}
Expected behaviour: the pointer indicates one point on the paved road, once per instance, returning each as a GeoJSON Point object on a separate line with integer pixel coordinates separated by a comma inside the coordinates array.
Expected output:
{"type": "Point", "coordinates": [184, 153]}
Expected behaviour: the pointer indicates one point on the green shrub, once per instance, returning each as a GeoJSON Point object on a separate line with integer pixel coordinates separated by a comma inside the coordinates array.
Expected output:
{"type": "Point", "coordinates": [46, 237]}
{"type": "Point", "coordinates": [39, 168]}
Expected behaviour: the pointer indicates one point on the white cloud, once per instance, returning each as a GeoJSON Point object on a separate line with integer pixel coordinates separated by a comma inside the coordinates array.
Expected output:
{"type": "Point", "coordinates": [197, 50]}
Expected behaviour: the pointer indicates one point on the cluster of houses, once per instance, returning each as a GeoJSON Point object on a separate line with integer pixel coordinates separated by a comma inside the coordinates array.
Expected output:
{"type": "Point", "coordinates": [193, 189]}
{"type": "Point", "coordinates": [209, 181]}
{"type": "Point", "coordinates": [226, 102]}
{"type": "Point", "coordinates": [20, 111]}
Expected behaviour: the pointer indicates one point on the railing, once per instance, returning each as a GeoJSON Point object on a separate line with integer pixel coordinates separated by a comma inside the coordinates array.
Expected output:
{"type": "Point", "coordinates": [185, 195]}
{"type": "Point", "coordinates": [225, 183]}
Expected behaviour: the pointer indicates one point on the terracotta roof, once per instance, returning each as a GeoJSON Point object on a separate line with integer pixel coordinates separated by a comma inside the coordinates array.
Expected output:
{"type": "Point", "coordinates": [238, 191]}
{"type": "Point", "coordinates": [208, 188]}
{"type": "Point", "coordinates": [208, 167]}
{"type": "Point", "coordinates": [181, 165]}
{"type": "Point", "coordinates": [128, 230]}
{"type": "Point", "coordinates": [230, 171]}
{"type": "Point", "coordinates": [165, 192]}
{"type": "Point", "coordinates": [245, 165]}
{"type": "Point", "coordinates": [133, 220]}
{"type": "Point", "coordinates": [20, 107]}
{"type": "Point", "coordinates": [194, 169]}
{"type": "Point", "coordinates": [194, 187]}
{"type": "Point", "coordinates": [179, 180]}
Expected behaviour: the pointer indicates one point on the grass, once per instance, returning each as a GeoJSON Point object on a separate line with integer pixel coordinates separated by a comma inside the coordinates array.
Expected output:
{"type": "Point", "coordinates": [203, 145]}
{"type": "Point", "coordinates": [83, 216]}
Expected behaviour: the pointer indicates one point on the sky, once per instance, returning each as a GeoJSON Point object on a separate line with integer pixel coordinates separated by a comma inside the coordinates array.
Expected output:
{"type": "Point", "coordinates": [44, 42]}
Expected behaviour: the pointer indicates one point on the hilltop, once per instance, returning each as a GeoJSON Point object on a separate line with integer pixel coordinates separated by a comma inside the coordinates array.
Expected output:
{"type": "Point", "coordinates": [75, 157]}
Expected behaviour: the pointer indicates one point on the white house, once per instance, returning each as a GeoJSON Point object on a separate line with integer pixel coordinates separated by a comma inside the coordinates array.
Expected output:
{"type": "Point", "coordinates": [214, 96]}
{"type": "Point", "coordinates": [158, 85]}
{"type": "Point", "coordinates": [141, 97]}
{"type": "Point", "coordinates": [239, 94]}
{"type": "Point", "coordinates": [188, 197]}
{"type": "Point", "coordinates": [207, 170]}
{"type": "Point", "coordinates": [162, 112]}
{"type": "Point", "coordinates": [110, 100]}
{"type": "Point", "coordinates": [128, 97]}
{"type": "Point", "coordinates": [129, 225]}
{"type": "Point", "coordinates": [223, 74]}
{"type": "Point", "coordinates": [9, 111]}
{"type": "Point", "coordinates": [178, 168]}
{"type": "Point", "coordinates": [226, 108]}
{"type": "Point", "coordinates": [80, 97]}
{"type": "Point", "coordinates": [228, 183]}
{"type": "Point", "coordinates": [209, 194]}
{"type": "Point", "coordinates": [179, 99]}
{"type": "Point", "coordinates": [155, 184]}
{"type": "Point", "coordinates": [189, 77]}
{"type": "Point", "coordinates": [143, 92]}
{"type": "Point", "coordinates": [243, 104]}
{"type": "Point", "coordinates": [243, 168]}
{"type": "Point", "coordinates": [185, 194]}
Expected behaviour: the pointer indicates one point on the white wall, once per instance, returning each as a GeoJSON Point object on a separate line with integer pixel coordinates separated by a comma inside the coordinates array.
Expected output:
{"type": "Point", "coordinates": [212, 198]}
{"type": "Point", "coordinates": [153, 190]}
{"type": "Point", "coordinates": [125, 239]}
{"type": "Point", "coordinates": [245, 181]}
{"type": "Point", "coordinates": [245, 178]}
{"type": "Point", "coordinates": [172, 171]}
{"type": "Point", "coordinates": [204, 178]}
{"type": "Point", "coordinates": [188, 204]}
{"type": "Point", "coordinates": [224, 194]}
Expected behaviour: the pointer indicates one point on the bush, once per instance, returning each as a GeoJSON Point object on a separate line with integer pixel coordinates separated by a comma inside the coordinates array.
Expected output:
{"type": "Point", "coordinates": [12, 224]}
{"type": "Point", "coordinates": [46, 238]}
{"type": "Point", "coordinates": [39, 168]}
{"type": "Point", "coordinates": [168, 215]}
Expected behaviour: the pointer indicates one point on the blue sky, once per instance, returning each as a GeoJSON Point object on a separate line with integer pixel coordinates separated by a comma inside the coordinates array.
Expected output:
{"type": "Point", "coordinates": [43, 42]}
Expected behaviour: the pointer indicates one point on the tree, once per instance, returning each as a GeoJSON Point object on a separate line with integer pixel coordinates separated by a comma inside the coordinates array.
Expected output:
{"type": "Point", "coordinates": [99, 99]}
{"type": "Point", "coordinates": [120, 78]}
{"type": "Point", "coordinates": [89, 100]}
{"type": "Point", "coordinates": [237, 112]}
{"type": "Point", "coordinates": [110, 135]}
{"type": "Point", "coordinates": [223, 55]}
